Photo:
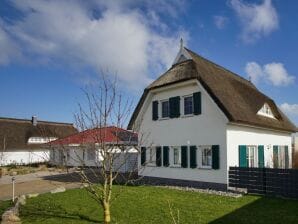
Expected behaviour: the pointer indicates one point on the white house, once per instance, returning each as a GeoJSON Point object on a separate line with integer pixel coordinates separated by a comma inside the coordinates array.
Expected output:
{"type": "Point", "coordinates": [85, 149]}
{"type": "Point", "coordinates": [22, 140]}
{"type": "Point", "coordinates": [295, 152]}
{"type": "Point", "coordinates": [200, 119]}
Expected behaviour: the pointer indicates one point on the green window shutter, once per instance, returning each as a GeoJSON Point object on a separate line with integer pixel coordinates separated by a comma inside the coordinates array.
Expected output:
{"type": "Point", "coordinates": [193, 156]}
{"type": "Point", "coordinates": [184, 157]}
{"type": "Point", "coordinates": [215, 157]}
{"type": "Point", "coordinates": [174, 105]}
{"type": "Point", "coordinates": [197, 103]}
{"type": "Point", "coordinates": [158, 156]}
{"type": "Point", "coordinates": [261, 156]}
{"type": "Point", "coordinates": [286, 157]}
{"type": "Point", "coordinates": [275, 156]}
{"type": "Point", "coordinates": [155, 110]}
{"type": "Point", "coordinates": [242, 156]}
{"type": "Point", "coordinates": [166, 156]}
{"type": "Point", "coordinates": [143, 156]}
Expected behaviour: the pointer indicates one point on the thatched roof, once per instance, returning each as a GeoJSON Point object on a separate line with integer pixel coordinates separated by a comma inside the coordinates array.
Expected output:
{"type": "Point", "coordinates": [14, 133]}
{"type": "Point", "coordinates": [237, 97]}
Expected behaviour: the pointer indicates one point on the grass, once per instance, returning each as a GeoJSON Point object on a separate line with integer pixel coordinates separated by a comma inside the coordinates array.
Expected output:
{"type": "Point", "coordinates": [3, 206]}
{"type": "Point", "coordinates": [151, 205]}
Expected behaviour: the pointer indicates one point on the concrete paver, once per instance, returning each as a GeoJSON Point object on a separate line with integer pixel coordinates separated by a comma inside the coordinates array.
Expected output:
{"type": "Point", "coordinates": [37, 183]}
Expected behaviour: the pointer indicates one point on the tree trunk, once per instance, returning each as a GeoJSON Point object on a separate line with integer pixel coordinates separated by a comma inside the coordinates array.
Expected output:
{"type": "Point", "coordinates": [106, 213]}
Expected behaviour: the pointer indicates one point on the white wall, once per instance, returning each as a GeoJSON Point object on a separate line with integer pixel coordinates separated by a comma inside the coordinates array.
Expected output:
{"type": "Point", "coordinates": [209, 128]}
{"type": "Point", "coordinates": [240, 135]}
{"type": "Point", "coordinates": [296, 142]}
{"type": "Point", "coordinates": [24, 157]}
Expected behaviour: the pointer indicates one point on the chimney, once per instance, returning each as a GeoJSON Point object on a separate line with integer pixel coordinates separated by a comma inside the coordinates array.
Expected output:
{"type": "Point", "coordinates": [34, 120]}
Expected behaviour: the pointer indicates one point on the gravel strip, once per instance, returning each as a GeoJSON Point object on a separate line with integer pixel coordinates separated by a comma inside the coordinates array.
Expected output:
{"type": "Point", "coordinates": [207, 191]}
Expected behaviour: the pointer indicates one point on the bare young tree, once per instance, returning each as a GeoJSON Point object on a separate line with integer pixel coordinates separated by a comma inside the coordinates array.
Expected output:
{"type": "Point", "coordinates": [103, 162]}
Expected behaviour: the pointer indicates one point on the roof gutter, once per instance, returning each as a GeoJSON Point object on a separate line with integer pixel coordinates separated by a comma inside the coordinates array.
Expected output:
{"type": "Point", "coordinates": [261, 128]}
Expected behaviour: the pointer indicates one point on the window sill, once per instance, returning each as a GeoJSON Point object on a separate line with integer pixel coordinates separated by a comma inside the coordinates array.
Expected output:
{"type": "Point", "coordinates": [205, 168]}
{"type": "Point", "coordinates": [175, 166]}
{"type": "Point", "coordinates": [187, 115]}
{"type": "Point", "coordinates": [164, 118]}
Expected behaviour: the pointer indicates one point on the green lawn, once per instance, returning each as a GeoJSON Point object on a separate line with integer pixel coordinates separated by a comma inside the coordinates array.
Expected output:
{"type": "Point", "coordinates": [3, 206]}
{"type": "Point", "coordinates": [151, 205]}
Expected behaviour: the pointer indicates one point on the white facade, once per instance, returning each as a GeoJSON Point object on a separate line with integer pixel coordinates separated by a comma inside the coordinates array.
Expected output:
{"type": "Point", "coordinates": [24, 157]}
{"type": "Point", "coordinates": [200, 130]}
{"type": "Point", "coordinates": [295, 142]}
{"type": "Point", "coordinates": [209, 128]}
{"type": "Point", "coordinates": [76, 156]}
{"type": "Point", "coordinates": [295, 148]}
{"type": "Point", "coordinates": [241, 135]}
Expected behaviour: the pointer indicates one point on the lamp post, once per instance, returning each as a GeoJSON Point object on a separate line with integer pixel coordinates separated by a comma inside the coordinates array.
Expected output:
{"type": "Point", "coordinates": [13, 181]}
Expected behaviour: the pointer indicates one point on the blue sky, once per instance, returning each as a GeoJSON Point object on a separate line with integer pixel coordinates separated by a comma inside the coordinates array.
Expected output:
{"type": "Point", "coordinates": [50, 50]}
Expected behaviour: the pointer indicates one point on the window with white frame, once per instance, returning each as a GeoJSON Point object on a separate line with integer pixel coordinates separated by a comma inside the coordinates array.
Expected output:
{"type": "Point", "coordinates": [206, 156]}
{"type": "Point", "coordinates": [165, 109]}
{"type": "Point", "coordinates": [90, 154]}
{"type": "Point", "coordinates": [151, 155]}
{"type": "Point", "coordinates": [53, 154]}
{"type": "Point", "coordinates": [281, 157]}
{"type": "Point", "coordinates": [188, 105]}
{"type": "Point", "coordinates": [176, 156]}
{"type": "Point", "coordinates": [61, 156]}
{"type": "Point", "coordinates": [68, 154]}
{"type": "Point", "coordinates": [266, 111]}
{"type": "Point", "coordinates": [280, 160]}
{"type": "Point", "coordinates": [252, 156]}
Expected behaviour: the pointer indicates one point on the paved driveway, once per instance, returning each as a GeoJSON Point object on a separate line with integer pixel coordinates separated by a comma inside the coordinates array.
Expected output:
{"type": "Point", "coordinates": [40, 182]}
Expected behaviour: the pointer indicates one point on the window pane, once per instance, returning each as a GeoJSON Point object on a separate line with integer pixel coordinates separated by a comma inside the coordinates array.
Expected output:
{"type": "Point", "coordinates": [251, 156]}
{"type": "Point", "coordinates": [176, 156]}
{"type": "Point", "coordinates": [165, 109]}
{"type": "Point", "coordinates": [207, 157]}
{"type": "Point", "coordinates": [281, 157]}
{"type": "Point", "coordinates": [151, 155]}
{"type": "Point", "coordinates": [90, 154]}
{"type": "Point", "coordinates": [188, 105]}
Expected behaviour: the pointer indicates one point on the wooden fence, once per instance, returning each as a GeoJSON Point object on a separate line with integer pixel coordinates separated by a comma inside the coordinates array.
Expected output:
{"type": "Point", "coordinates": [266, 181]}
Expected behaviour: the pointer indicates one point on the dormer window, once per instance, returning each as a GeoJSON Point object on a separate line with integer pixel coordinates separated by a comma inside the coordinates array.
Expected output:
{"type": "Point", "coordinates": [266, 111]}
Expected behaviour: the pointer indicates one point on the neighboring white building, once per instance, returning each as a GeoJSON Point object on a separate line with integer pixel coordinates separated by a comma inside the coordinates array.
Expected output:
{"type": "Point", "coordinates": [295, 152]}
{"type": "Point", "coordinates": [199, 119]}
{"type": "Point", "coordinates": [84, 149]}
{"type": "Point", "coordinates": [21, 140]}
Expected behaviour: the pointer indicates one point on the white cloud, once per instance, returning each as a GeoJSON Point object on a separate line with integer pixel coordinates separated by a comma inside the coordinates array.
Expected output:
{"type": "Point", "coordinates": [278, 75]}
{"type": "Point", "coordinates": [254, 71]}
{"type": "Point", "coordinates": [120, 39]}
{"type": "Point", "coordinates": [273, 73]}
{"type": "Point", "coordinates": [289, 109]}
{"type": "Point", "coordinates": [8, 49]}
{"type": "Point", "coordinates": [257, 19]}
{"type": "Point", "coordinates": [220, 21]}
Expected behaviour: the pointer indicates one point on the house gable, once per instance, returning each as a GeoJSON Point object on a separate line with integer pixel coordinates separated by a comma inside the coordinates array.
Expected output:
{"type": "Point", "coordinates": [185, 126]}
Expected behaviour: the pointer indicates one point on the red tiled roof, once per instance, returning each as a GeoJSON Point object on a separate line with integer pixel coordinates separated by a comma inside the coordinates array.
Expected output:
{"type": "Point", "coordinates": [99, 135]}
